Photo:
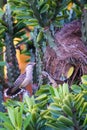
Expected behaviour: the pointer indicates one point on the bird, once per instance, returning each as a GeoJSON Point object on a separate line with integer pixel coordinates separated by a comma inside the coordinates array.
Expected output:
{"type": "Point", "coordinates": [21, 82]}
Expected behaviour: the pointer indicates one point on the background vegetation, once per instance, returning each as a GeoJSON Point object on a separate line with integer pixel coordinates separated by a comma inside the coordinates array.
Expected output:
{"type": "Point", "coordinates": [50, 108]}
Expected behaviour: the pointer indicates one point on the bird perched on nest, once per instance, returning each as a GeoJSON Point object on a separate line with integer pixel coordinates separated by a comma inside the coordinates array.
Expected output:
{"type": "Point", "coordinates": [21, 82]}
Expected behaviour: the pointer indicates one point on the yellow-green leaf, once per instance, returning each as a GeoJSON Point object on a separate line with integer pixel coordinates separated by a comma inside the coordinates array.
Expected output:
{"type": "Point", "coordinates": [44, 8]}
{"type": "Point", "coordinates": [84, 79]}
{"type": "Point", "coordinates": [70, 72]}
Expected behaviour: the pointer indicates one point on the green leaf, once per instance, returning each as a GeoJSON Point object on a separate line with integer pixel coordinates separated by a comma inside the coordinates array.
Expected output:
{"type": "Point", "coordinates": [52, 91]}
{"type": "Point", "coordinates": [66, 121]}
{"type": "Point", "coordinates": [65, 89]}
{"type": "Point", "coordinates": [41, 97]}
{"type": "Point", "coordinates": [2, 31]}
{"type": "Point", "coordinates": [8, 126]}
{"type": "Point", "coordinates": [19, 26]}
{"type": "Point", "coordinates": [61, 17]}
{"type": "Point", "coordinates": [19, 34]}
{"type": "Point", "coordinates": [41, 2]}
{"type": "Point", "coordinates": [55, 107]}
{"type": "Point", "coordinates": [3, 27]}
{"type": "Point", "coordinates": [2, 63]}
{"type": "Point", "coordinates": [44, 8]}
{"type": "Point", "coordinates": [22, 16]}
{"type": "Point", "coordinates": [58, 126]}
{"type": "Point", "coordinates": [31, 24]}
{"type": "Point", "coordinates": [43, 103]}
{"type": "Point", "coordinates": [29, 101]}
{"type": "Point", "coordinates": [22, 41]}
{"type": "Point", "coordinates": [85, 6]}
{"type": "Point", "coordinates": [56, 93]}
{"type": "Point", "coordinates": [44, 89]}
{"type": "Point", "coordinates": [3, 128]}
{"type": "Point", "coordinates": [85, 121]}
{"type": "Point", "coordinates": [76, 88]}
{"type": "Point", "coordinates": [4, 117]}
{"type": "Point", "coordinates": [33, 20]}
{"type": "Point", "coordinates": [1, 13]}
{"type": "Point", "coordinates": [67, 110]}
{"type": "Point", "coordinates": [83, 86]}
{"type": "Point", "coordinates": [1, 44]}
{"type": "Point", "coordinates": [27, 121]}
{"type": "Point", "coordinates": [52, 126]}
{"type": "Point", "coordinates": [3, 22]}
{"type": "Point", "coordinates": [49, 118]}
{"type": "Point", "coordinates": [84, 79]}
{"type": "Point", "coordinates": [11, 114]}
{"type": "Point", "coordinates": [39, 36]}
{"type": "Point", "coordinates": [18, 117]}
{"type": "Point", "coordinates": [44, 112]}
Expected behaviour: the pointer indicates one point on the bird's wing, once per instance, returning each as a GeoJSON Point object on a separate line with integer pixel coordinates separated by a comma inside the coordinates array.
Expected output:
{"type": "Point", "coordinates": [13, 91]}
{"type": "Point", "coordinates": [19, 80]}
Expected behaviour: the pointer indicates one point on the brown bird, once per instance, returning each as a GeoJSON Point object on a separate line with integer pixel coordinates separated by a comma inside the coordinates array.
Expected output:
{"type": "Point", "coordinates": [21, 82]}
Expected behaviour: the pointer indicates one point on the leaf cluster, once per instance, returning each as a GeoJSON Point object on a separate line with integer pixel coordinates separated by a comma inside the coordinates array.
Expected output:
{"type": "Point", "coordinates": [50, 108]}
{"type": "Point", "coordinates": [40, 12]}
{"type": "Point", "coordinates": [9, 24]}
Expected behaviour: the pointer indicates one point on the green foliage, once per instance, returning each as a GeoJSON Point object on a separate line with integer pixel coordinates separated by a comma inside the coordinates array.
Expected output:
{"type": "Point", "coordinates": [9, 30]}
{"type": "Point", "coordinates": [22, 116]}
{"type": "Point", "coordinates": [11, 60]}
{"type": "Point", "coordinates": [15, 120]}
{"type": "Point", "coordinates": [68, 109]}
{"type": "Point", "coordinates": [2, 63]}
{"type": "Point", "coordinates": [50, 109]}
{"type": "Point", "coordinates": [38, 11]}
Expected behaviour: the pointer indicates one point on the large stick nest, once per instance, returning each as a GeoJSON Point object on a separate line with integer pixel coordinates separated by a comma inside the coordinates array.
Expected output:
{"type": "Point", "coordinates": [71, 52]}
